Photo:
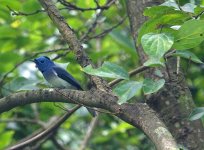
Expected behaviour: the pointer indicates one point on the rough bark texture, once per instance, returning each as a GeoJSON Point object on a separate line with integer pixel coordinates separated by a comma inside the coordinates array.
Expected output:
{"type": "Point", "coordinates": [174, 102]}
{"type": "Point", "coordinates": [107, 100]}
{"type": "Point", "coordinates": [139, 115]}
{"type": "Point", "coordinates": [71, 39]}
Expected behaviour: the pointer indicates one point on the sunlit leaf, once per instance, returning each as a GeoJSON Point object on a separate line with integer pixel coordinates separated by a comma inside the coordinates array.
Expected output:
{"type": "Point", "coordinates": [127, 90]}
{"type": "Point", "coordinates": [153, 63]}
{"type": "Point", "coordinates": [188, 7]}
{"type": "Point", "coordinates": [6, 138]}
{"type": "Point", "coordinates": [151, 86]}
{"type": "Point", "coordinates": [155, 45]}
{"type": "Point", "coordinates": [108, 70]}
{"type": "Point", "coordinates": [170, 3]}
{"type": "Point", "coordinates": [197, 113]}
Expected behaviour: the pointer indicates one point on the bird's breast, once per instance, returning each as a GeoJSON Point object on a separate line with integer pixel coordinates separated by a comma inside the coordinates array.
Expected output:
{"type": "Point", "coordinates": [55, 81]}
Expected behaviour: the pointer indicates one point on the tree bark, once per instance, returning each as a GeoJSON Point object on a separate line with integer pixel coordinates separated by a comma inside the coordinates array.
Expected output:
{"type": "Point", "coordinates": [139, 115]}
{"type": "Point", "coordinates": [173, 102]}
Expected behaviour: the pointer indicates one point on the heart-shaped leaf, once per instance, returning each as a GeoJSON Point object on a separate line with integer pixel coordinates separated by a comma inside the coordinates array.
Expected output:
{"type": "Point", "coordinates": [108, 70]}
{"type": "Point", "coordinates": [153, 63]}
{"type": "Point", "coordinates": [151, 86]}
{"type": "Point", "coordinates": [155, 45]}
{"type": "Point", "coordinates": [127, 90]}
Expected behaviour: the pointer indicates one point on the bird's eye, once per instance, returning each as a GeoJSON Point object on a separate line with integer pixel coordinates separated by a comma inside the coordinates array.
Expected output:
{"type": "Point", "coordinates": [42, 61]}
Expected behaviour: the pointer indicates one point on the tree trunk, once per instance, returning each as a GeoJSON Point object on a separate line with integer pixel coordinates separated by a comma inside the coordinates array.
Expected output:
{"type": "Point", "coordinates": [173, 102]}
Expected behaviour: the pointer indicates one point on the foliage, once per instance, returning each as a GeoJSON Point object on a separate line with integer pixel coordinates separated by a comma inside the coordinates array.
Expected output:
{"type": "Point", "coordinates": [197, 113]}
{"type": "Point", "coordinates": [22, 36]}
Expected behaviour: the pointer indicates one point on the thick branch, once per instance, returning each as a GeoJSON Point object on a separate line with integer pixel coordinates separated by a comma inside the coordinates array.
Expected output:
{"type": "Point", "coordinates": [66, 31]}
{"type": "Point", "coordinates": [71, 39]}
{"type": "Point", "coordinates": [138, 115]}
{"type": "Point", "coordinates": [174, 102]}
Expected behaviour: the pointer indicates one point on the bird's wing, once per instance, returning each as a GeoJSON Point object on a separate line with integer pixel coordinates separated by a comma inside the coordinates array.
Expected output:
{"type": "Point", "coordinates": [63, 74]}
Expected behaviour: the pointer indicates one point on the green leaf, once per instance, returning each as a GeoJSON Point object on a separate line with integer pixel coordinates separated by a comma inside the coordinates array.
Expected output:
{"type": "Point", "coordinates": [188, 55]}
{"type": "Point", "coordinates": [14, 4]}
{"type": "Point", "coordinates": [123, 39]}
{"type": "Point", "coordinates": [6, 138]}
{"type": "Point", "coordinates": [198, 10]}
{"type": "Point", "coordinates": [127, 90]}
{"type": "Point", "coordinates": [197, 113]}
{"type": "Point", "coordinates": [108, 70]}
{"type": "Point", "coordinates": [151, 86]}
{"type": "Point", "coordinates": [153, 63]}
{"type": "Point", "coordinates": [189, 35]}
{"type": "Point", "coordinates": [18, 84]}
{"type": "Point", "coordinates": [8, 32]}
{"type": "Point", "coordinates": [162, 20]}
{"type": "Point", "coordinates": [157, 10]}
{"type": "Point", "coordinates": [155, 45]}
{"type": "Point", "coordinates": [30, 6]}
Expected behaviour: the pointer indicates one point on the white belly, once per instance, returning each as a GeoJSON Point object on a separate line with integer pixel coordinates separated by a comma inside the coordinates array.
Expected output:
{"type": "Point", "coordinates": [57, 82]}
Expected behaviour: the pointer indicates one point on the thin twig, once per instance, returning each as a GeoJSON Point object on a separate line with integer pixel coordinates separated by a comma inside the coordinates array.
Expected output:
{"type": "Point", "coordinates": [18, 13]}
{"type": "Point", "coordinates": [89, 132]}
{"type": "Point", "coordinates": [102, 34]}
{"type": "Point", "coordinates": [71, 6]}
{"type": "Point", "coordinates": [92, 27]}
{"type": "Point", "coordinates": [57, 144]}
{"type": "Point", "coordinates": [49, 130]}
{"type": "Point", "coordinates": [23, 120]}
{"type": "Point", "coordinates": [131, 73]}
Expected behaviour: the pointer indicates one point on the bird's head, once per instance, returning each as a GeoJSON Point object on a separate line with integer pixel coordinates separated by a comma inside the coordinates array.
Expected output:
{"type": "Point", "coordinates": [43, 63]}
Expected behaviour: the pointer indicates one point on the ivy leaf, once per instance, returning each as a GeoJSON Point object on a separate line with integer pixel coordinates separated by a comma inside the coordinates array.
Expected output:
{"type": "Point", "coordinates": [189, 35]}
{"type": "Point", "coordinates": [197, 113]}
{"type": "Point", "coordinates": [188, 55]}
{"type": "Point", "coordinates": [151, 86]}
{"type": "Point", "coordinates": [127, 90]}
{"type": "Point", "coordinates": [153, 63]}
{"type": "Point", "coordinates": [155, 45]}
{"type": "Point", "coordinates": [108, 70]}
{"type": "Point", "coordinates": [169, 18]}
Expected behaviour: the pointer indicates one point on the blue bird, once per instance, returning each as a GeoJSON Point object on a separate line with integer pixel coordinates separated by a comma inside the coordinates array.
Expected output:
{"type": "Point", "coordinates": [57, 76]}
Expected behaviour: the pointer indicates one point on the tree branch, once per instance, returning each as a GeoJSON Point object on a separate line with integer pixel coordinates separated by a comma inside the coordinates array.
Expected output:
{"type": "Point", "coordinates": [138, 115]}
{"type": "Point", "coordinates": [89, 132]}
{"type": "Point", "coordinates": [71, 39]}
{"type": "Point", "coordinates": [48, 131]}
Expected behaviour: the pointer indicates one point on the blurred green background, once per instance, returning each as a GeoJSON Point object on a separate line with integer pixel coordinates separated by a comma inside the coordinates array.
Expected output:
{"type": "Point", "coordinates": [22, 36]}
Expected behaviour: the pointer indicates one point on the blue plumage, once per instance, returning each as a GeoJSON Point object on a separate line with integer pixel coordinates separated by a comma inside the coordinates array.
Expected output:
{"type": "Point", "coordinates": [57, 76]}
